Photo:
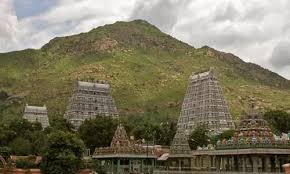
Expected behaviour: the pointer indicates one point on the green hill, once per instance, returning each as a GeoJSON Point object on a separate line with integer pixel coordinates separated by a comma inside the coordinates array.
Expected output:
{"type": "Point", "coordinates": [147, 69]}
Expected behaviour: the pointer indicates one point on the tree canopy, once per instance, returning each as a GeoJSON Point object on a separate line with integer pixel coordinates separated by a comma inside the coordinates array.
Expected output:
{"type": "Point", "coordinates": [63, 153]}
{"type": "Point", "coordinates": [97, 132]}
{"type": "Point", "coordinates": [279, 121]}
{"type": "Point", "coordinates": [199, 137]}
{"type": "Point", "coordinates": [22, 137]}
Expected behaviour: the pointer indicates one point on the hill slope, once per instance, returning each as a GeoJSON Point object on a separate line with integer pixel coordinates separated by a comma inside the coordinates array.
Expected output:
{"type": "Point", "coordinates": [148, 71]}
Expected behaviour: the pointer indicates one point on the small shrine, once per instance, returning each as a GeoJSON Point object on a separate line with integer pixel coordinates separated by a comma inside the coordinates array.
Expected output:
{"type": "Point", "coordinates": [179, 158]}
{"type": "Point", "coordinates": [254, 132]}
{"type": "Point", "coordinates": [123, 156]}
{"type": "Point", "coordinates": [180, 153]}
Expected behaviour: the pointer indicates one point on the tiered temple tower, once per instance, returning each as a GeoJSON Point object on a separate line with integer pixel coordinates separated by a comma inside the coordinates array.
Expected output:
{"type": "Point", "coordinates": [204, 103]}
{"type": "Point", "coordinates": [88, 101]}
{"type": "Point", "coordinates": [180, 145]}
{"type": "Point", "coordinates": [36, 114]}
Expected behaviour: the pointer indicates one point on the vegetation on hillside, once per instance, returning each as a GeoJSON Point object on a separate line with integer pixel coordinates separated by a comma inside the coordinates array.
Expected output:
{"type": "Point", "coordinates": [147, 69]}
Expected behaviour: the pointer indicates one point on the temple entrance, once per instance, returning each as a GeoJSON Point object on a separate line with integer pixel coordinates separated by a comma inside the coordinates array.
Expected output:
{"type": "Point", "coordinates": [3, 165]}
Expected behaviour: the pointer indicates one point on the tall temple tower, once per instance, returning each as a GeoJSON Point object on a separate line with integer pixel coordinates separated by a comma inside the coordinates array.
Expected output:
{"type": "Point", "coordinates": [88, 101]}
{"type": "Point", "coordinates": [36, 114]}
{"type": "Point", "coordinates": [204, 103]}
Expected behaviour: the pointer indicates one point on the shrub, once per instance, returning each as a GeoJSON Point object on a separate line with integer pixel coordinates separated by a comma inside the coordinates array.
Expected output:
{"type": "Point", "coordinates": [25, 164]}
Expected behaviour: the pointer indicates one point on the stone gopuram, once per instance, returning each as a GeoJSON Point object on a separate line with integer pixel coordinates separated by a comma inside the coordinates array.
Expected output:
{"type": "Point", "coordinates": [88, 101]}
{"type": "Point", "coordinates": [180, 152]}
{"type": "Point", "coordinates": [36, 114]}
{"type": "Point", "coordinates": [204, 103]}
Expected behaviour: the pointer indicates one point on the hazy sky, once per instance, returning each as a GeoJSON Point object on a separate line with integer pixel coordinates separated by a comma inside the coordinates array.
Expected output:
{"type": "Point", "coordinates": [257, 31]}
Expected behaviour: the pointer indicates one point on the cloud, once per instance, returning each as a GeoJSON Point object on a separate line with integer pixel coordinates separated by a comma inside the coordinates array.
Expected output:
{"type": "Point", "coordinates": [281, 55]}
{"type": "Point", "coordinates": [163, 13]}
{"type": "Point", "coordinates": [8, 27]}
{"type": "Point", "coordinates": [66, 17]}
{"type": "Point", "coordinates": [249, 29]}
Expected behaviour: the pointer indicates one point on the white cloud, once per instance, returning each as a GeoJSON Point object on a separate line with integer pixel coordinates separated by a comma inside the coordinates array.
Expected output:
{"type": "Point", "coordinates": [249, 29]}
{"type": "Point", "coordinates": [281, 54]}
{"type": "Point", "coordinates": [8, 27]}
{"type": "Point", "coordinates": [66, 18]}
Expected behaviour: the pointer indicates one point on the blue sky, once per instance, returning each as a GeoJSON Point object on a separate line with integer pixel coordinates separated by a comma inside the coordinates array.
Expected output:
{"type": "Point", "coordinates": [257, 31]}
{"type": "Point", "coordinates": [28, 8]}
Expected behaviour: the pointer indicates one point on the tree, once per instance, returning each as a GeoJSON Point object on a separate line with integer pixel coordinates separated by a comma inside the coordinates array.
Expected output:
{"type": "Point", "coordinates": [6, 135]}
{"type": "Point", "coordinates": [279, 121]}
{"type": "Point", "coordinates": [199, 137]}
{"type": "Point", "coordinates": [23, 128]}
{"type": "Point", "coordinates": [22, 136]}
{"type": "Point", "coordinates": [162, 133]}
{"type": "Point", "coordinates": [39, 141]}
{"type": "Point", "coordinates": [147, 131]}
{"type": "Point", "coordinates": [228, 134]}
{"type": "Point", "coordinates": [20, 146]}
{"type": "Point", "coordinates": [97, 132]}
{"type": "Point", "coordinates": [59, 124]}
{"type": "Point", "coordinates": [167, 132]}
{"type": "Point", "coordinates": [63, 153]}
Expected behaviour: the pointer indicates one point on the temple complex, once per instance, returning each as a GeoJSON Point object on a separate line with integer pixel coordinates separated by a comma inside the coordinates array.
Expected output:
{"type": "Point", "coordinates": [36, 114]}
{"type": "Point", "coordinates": [252, 149]}
{"type": "Point", "coordinates": [88, 101]}
{"type": "Point", "coordinates": [204, 103]}
{"type": "Point", "coordinates": [124, 156]}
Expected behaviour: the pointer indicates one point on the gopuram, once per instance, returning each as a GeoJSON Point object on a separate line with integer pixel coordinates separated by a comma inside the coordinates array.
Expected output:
{"type": "Point", "coordinates": [36, 114]}
{"type": "Point", "coordinates": [179, 153]}
{"type": "Point", "coordinates": [124, 156]}
{"type": "Point", "coordinates": [204, 103]}
{"type": "Point", "coordinates": [88, 101]}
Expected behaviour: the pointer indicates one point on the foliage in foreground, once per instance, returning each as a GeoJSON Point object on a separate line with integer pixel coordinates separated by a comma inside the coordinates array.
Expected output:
{"type": "Point", "coordinates": [63, 154]}
{"type": "Point", "coordinates": [97, 132]}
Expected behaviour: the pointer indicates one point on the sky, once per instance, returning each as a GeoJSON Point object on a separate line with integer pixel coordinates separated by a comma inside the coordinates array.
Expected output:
{"type": "Point", "coordinates": [257, 31]}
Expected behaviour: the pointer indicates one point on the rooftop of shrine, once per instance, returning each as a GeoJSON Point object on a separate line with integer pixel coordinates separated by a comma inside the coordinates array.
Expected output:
{"type": "Point", "coordinates": [254, 132]}
{"type": "Point", "coordinates": [122, 147]}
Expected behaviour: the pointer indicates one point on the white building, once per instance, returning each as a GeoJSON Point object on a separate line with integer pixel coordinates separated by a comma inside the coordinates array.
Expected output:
{"type": "Point", "coordinates": [36, 114]}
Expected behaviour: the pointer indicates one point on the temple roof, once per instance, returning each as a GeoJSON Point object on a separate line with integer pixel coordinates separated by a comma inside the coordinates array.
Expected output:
{"type": "Point", "coordinates": [121, 145]}
{"type": "Point", "coordinates": [253, 131]}
{"type": "Point", "coordinates": [93, 85]}
{"type": "Point", "coordinates": [120, 138]}
{"type": "Point", "coordinates": [253, 125]}
{"type": "Point", "coordinates": [201, 74]}
{"type": "Point", "coordinates": [35, 108]}
{"type": "Point", "coordinates": [180, 144]}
